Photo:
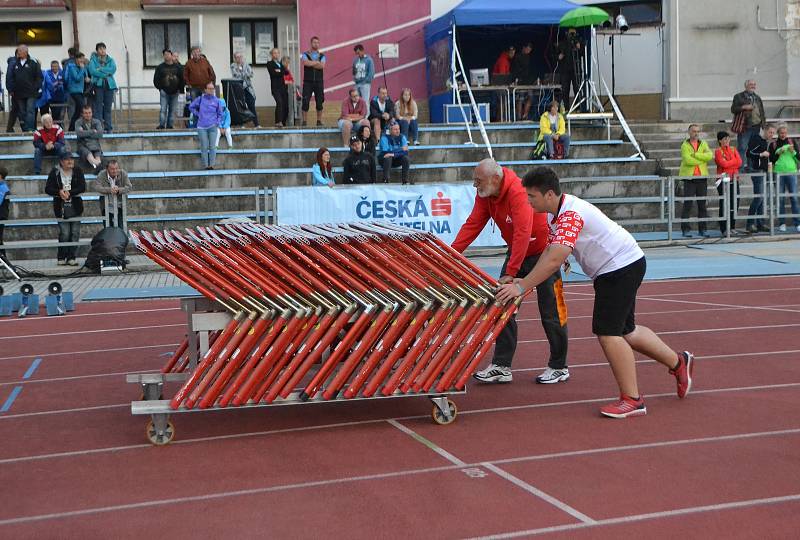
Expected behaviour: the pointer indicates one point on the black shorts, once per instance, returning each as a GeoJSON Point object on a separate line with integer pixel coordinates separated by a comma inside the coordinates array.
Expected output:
{"type": "Point", "coordinates": [316, 88]}
{"type": "Point", "coordinates": [615, 300]}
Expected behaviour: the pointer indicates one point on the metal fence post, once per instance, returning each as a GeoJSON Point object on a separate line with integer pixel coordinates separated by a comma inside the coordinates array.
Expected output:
{"type": "Point", "coordinates": [258, 205]}
{"type": "Point", "coordinates": [726, 206]}
{"type": "Point", "coordinates": [769, 205]}
{"type": "Point", "coordinates": [671, 205]}
{"type": "Point", "coordinates": [123, 218]}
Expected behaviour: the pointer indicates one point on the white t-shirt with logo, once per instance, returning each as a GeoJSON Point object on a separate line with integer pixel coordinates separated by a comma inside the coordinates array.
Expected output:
{"type": "Point", "coordinates": [598, 243]}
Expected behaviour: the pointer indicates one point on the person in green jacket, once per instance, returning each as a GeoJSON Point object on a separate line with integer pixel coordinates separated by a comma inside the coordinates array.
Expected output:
{"type": "Point", "coordinates": [695, 155]}
{"type": "Point", "coordinates": [102, 69]}
{"type": "Point", "coordinates": [784, 154]}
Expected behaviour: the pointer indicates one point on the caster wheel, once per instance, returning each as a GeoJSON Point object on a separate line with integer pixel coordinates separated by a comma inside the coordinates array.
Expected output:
{"type": "Point", "coordinates": [142, 398]}
{"type": "Point", "coordinates": [162, 439]}
{"type": "Point", "coordinates": [440, 418]}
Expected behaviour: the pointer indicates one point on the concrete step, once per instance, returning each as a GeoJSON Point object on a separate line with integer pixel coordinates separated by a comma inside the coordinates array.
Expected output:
{"type": "Point", "coordinates": [245, 159]}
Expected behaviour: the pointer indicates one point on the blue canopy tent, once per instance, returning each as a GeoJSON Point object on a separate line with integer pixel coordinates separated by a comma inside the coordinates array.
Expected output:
{"type": "Point", "coordinates": [477, 13]}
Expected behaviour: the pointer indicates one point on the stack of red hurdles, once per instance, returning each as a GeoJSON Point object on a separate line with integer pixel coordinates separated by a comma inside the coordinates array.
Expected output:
{"type": "Point", "coordinates": [398, 311]}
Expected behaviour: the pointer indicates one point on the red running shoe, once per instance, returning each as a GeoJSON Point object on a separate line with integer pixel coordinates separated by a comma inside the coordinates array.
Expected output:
{"type": "Point", "coordinates": [624, 408]}
{"type": "Point", "coordinates": [683, 373]}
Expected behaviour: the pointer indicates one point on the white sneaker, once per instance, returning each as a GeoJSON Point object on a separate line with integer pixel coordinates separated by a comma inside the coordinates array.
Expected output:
{"type": "Point", "coordinates": [552, 376]}
{"type": "Point", "coordinates": [782, 228]}
{"type": "Point", "coordinates": [494, 374]}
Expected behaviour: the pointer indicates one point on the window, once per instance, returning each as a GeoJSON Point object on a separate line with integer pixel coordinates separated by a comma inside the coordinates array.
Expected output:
{"type": "Point", "coordinates": [254, 38]}
{"type": "Point", "coordinates": [30, 33]}
{"type": "Point", "coordinates": [171, 34]}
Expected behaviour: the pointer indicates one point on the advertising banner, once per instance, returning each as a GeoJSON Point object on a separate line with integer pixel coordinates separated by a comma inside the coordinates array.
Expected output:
{"type": "Point", "coordinates": [438, 208]}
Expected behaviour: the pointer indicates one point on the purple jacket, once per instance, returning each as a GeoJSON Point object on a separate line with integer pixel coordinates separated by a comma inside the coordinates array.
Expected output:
{"type": "Point", "coordinates": [208, 110]}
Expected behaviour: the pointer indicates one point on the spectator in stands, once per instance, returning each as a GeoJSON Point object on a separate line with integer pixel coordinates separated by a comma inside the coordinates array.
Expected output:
{"type": "Point", "coordinates": [168, 80]}
{"type": "Point", "coordinates": [502, 65]}
{"type": "Point", "coordinates": [13, 115]}
{"type": "Point", "coordinates": [26, 82]}
{"type": "Point", "coordinates": [65, 184]}
{"type": "Point", "coordinates": [111, 182]}
{"type": "Point", "coordinates": [321, 173]}
{"type": "Point", "coordinates": [56, 94]}
{"type": "Point", "coordinates": [728, 163]}
{"type": "Point", "coordinates": [359, 166]}
{"type": "Point", "coordinates": [313, 62]}
{"type": "Point", "coordinates": [72, 53]}
{"type": "Point", "coordinates": [381, 112]}
{"type": "Point", "coordinates": [784, 154]}
{"type": "Point", "coordinates": [394, 152]}
{"type": "Point", "coordinates": [354, 112]}
{"type": "Point", "coordinates": [365, 134]}
{"type": "Point", "coordinates": [197, 73]}
{"type": "Point", "coordinates": [225, 125]}
{"type": "Point", "coordinates": [695, 155]}
{"type": "Point", "coordinates": [242, 71]}
{"type": "Point", "coordinates": [758, 162]}
{"type": "Point", "coordinates": [209, 113]}
{"type": "Point", "coordinates": [279, 86]}
{"type": "Point", "coordinates": [363, 72]}
{"type": "Point", "coordinates": [553, 129]}
{"type": "Point", "coordinates": [406, 112]}
{"type": "Point", "coordinates": [5, 200]}
{"type": "Point", "coordinates": [749, 118]}
{"type": "Point", "coordinates": [102, 69]}
{"type": "Point", "coordinates": [75, 82]}
{"type": "Point", "coordinates": [48, 140]}
{"type": "Point", "coordinates": [521, 74]}
{"type": "Point", "coordinates": [89, 131]}
{"type": "Point", "coordinates": [570, 55]}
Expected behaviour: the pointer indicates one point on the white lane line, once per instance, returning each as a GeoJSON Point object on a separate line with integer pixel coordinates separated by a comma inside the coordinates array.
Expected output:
{"type": "Point", "coordinates": [673, 311]}
{"type": "Point", "coordinates": [104, 330]}
{"type": "Point", "coordinates": [648, 361]}
{"type": "Point", "coordinates": [93, 351]}
{"type": "Point", "coordinates": [428, 443]}
{"type": "Point", "coordinates": [644, 517]}
{"type": "Point", "coordinates": [318, 483]}
{"type": "Point", "coordinates": [98, 314]}
{"type": "Point", "coordinates": [79, 377]}
{"type": "Point", "coordinates": [704, 293]}
{"type": "Point", "coordinates": [353, 423]}
{"type": "Point", "coordinates": [63, 411]}
{"type": "Point", "coordinates": [716, 304]}
{"type": "Point", "coordinates": [669, 332]}
{"type": "Point", "coordinates": [564, 507]}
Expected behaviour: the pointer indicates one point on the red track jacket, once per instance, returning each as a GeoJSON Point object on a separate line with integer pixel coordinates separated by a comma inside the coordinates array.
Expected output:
{"type": "Point", "coordinates": [524, 230]}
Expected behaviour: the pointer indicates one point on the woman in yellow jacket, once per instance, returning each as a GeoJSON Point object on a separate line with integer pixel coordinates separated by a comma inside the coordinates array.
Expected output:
{"type": "Point", "coordinates": [695, 155]}
{"type": "Point", "coordinates": [553, 128]}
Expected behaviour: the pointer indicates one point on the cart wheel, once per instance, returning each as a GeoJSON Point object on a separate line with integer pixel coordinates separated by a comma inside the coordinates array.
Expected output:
{"type": "Point", "coordinates": [142, 398]}
{"type": "Point", "coordinates": [163, 439]}
{"type": "Point", "coordinates": [440, 418]}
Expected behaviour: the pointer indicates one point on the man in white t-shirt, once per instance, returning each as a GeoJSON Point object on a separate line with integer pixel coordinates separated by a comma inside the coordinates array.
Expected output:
{"type": "Point", "coordinates": [610, 256]}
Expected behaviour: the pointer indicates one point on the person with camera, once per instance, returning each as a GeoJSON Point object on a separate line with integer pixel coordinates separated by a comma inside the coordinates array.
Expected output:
{"type": "Point", "coordinates": [112, 182]}
{"type": "Point", "coordinates": [65, 183]}
{"type": "Point", "coordinates": [569, 54]}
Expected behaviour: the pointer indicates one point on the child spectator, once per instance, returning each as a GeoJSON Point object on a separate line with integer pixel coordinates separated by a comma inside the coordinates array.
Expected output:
{"type": "Point", "coordinates": [321, 174]}
{"type": "Point", "coordinates": [225, 126]}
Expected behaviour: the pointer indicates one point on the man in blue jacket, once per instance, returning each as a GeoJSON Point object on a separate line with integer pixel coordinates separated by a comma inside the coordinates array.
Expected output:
{"type": "Point", "coordinates": [363, 72]}
{"type": "Point", "coordinates": [394, 152]}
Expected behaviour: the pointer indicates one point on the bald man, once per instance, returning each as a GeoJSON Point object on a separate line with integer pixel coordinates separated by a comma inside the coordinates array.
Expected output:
{"type": "Point", "coordinates": [501, 197]}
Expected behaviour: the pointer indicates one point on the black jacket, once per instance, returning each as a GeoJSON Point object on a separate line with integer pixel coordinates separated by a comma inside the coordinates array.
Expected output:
{"type": "Point", "coordinates": [375, 111]}
{"type": "Point", "coordinates": [54, 185]}
{"type": "Point", "coordinates": [757, 145]}
{"type": "Point", "coordinates": [276, 72]}
{"type": "Point", "coordinates": [26, 80]}
{"type": "Point", "coordinates": [746, 98]}
{"type": "Point", "coordinates": [521, 68]}
{"type": "Point", "coordinates": [359, 168]}
{"type": "Point", "coordinates": [368, 142]}
{"type": "Point", "coordinates": [169, 78]}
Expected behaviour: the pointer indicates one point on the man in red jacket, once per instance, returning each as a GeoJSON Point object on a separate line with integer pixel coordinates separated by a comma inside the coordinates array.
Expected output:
{"type": "Point", "coordinates": [502, 198]}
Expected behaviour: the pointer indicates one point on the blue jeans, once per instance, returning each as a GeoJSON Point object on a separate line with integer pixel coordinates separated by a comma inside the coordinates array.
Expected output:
{"type": "Point", "coordinates": [548, 141]}
{"type": "Point", "coordinates": [101, 107]}
{"type": "Point", "coordinates": [364, 90]}
{"type": "Point", "coordinates": [208, 145]}
{"type": "Point", "coordinates": [409, 129]}
{"type": "Point", "coordinates": [26, 112]}
{"type": "Point", "coordinates": [757, 204]}
{"type": "Point", "coordinates": [68, 231]}
{"type": "Point", "coordinates": [58, 151]}
{"type": "Point", "coordinates": [741, 144]}
{"type": "Point", "coordinates": [787, 183]}
{"type": "Point", "coordinates": [169, 102]}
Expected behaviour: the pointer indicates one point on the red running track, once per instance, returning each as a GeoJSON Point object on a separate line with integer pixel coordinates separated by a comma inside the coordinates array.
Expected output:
{"type": "Point", "coordinates": [520, 460]}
